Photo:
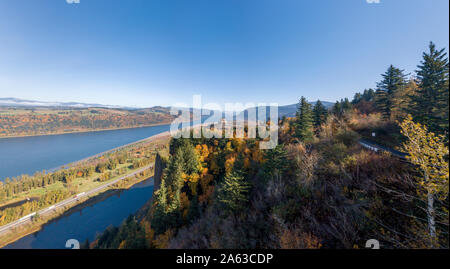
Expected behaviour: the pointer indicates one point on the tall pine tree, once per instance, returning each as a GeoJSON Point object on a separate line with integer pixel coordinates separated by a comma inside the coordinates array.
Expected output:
{"type": "Point", "coordinates": [320, 114]}
{"type": "Point", "coordinates": [305, 121]}
{"type": "Point", "coordinates": [233, 193]}
{"type": "Point", "coordinates": [394, 81]}
{"type": "Point", "coordinates": [430, 103]}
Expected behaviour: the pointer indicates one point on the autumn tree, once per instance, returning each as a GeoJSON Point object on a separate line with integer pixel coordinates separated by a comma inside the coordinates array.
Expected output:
{"type": "Point", "coordinates": [429, 154]}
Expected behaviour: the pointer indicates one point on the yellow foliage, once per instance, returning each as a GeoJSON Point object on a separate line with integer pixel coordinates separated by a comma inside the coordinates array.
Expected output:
{"type": "Point", "coordinates": [428, 152]}
{"type": "Point", "coordinates": [229, 164]}
{"type": "Point", "coordinates": [122, 244]}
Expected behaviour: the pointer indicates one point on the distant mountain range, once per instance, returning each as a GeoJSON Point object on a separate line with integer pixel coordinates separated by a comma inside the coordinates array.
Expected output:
{"type": "Point", "coordinates": [287, 110]}
{"type": "Point", "coordinates": [16, 102]}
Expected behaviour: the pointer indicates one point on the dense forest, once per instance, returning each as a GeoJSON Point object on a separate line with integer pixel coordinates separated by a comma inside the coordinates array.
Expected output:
{"type": "Point", "coordinates": [319, 188]}
{"type": "Point", "coordinates": [39, 121]}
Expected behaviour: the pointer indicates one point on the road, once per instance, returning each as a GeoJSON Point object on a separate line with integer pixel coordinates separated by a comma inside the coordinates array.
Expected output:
{"type": "Point", "coordinates": [48, 210]}
{"type": "Point", "coordinates": [378, 148]}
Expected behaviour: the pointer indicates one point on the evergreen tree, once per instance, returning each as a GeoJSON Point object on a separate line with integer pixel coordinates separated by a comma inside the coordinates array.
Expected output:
{"type": "Point", "coordinates": [394, 81]}
{"type": "Point", "coordinates": [340, 107]}
{"type": "Point", "coordinates": [194, 209]}
{"type": "Point", "coordinates": [346, 105]}
{"type": "Point", "coordinates": [357, 98]}
{"type": "Point", "coordinates": [238, 166]}
{"type": "Point", "coordinates": [191, 160]}
{"type": "Point", "coordinates": [367, 95]}
{"type": "Point", "coordinates": [337, 109]}
{"type": "Point", "coordinates": [174, 170]}
{"type": "Point", "coordinates": [320, 114]}
{"type": "Point", "coordinates": [276, 162]}
{"type": "Point", "coordinates": [305, 121]}
{"type": "Point", "coordinates": [430, 104]}
{"type": "Point", "coordinates": [233, 193]}
{"type": "Point", "coordinates": [159, 219]}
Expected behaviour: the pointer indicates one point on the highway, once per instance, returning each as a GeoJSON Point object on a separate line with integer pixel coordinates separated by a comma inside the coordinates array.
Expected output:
{"type": "Point", "coordinates": [48, 210]}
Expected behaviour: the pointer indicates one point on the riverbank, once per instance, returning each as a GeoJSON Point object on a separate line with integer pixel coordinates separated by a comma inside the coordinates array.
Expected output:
{"type": "Point", "coordinates": [88, 131]}
{"type": "Point", "coordinates": [86, 184]}
{"type": "Point", "coordinates": [37, 224]}
{"type": "Point", "coordinates": [122, 182]}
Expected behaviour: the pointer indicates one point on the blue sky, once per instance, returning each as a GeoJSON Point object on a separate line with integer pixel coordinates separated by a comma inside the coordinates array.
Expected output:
{"type": "Point", "coordinates": [159, 52]}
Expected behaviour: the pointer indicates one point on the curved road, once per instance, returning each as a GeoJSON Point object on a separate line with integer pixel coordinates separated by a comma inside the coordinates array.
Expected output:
{"type": "Point", "coordinates": [378, 148]}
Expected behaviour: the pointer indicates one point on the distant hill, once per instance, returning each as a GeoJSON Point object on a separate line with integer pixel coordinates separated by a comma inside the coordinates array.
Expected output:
{"type": "Point", "coordinates": [290, 110]}
{"type": "Point", "coordinates": [27, 118]}
{"type": "Point", "coordinates": [16, 102]}
{"type": "Point", "coordinates": [287, 110]}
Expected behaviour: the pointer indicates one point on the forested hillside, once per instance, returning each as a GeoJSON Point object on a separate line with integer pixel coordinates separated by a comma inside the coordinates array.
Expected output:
{"type": "Point", "coordinates": [40, 121]}
{"type": "Point", "coordinates": [319, 188]}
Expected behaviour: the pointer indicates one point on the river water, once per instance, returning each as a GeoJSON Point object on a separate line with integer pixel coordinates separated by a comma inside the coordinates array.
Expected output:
{"type": "Point", "coordinates": [31, 154]}
{"type": "Point", "coordinates": [88, 222]}
{"type": "Point", "coordinates": [27, 155]}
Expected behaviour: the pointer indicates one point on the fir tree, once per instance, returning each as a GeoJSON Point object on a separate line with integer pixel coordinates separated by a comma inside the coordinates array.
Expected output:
{"type": "Point", "coordinates": [320, 114]}
{"type": "Point", "coordinates": [305, 121]}
{"type": "Point", "coordinates": [233, 193]}
{"type": "Point", "coordinates": [394, 81]}
{"type": "Point", "coordinates": [276, 162]}
{"type": "Point", "coordinates": [158, 221]}
{"type": "Point", "coordinates": [430, 103]}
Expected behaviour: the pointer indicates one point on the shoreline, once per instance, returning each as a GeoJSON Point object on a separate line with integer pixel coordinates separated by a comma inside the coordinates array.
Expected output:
{"type": "Point", "coordinates": [155, 137]}
{"type": "Point", "coordinates": [29, 228]}
{"type": "Point", "coordinates": [86, 131]}
{"type": "Point", "coordinates": [88, 201]}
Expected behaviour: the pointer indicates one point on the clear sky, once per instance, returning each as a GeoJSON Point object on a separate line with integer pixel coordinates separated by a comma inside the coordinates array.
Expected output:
{"type": "Point", "coordinates": [159, 52]}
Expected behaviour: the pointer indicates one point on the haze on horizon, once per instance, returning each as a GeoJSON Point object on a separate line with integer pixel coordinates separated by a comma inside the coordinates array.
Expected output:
{"type": "Point", "coordinates": [146, 53]}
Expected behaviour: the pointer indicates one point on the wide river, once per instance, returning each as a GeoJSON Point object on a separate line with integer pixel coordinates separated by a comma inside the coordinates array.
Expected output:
{"type": "Point", "coordinates": [27, 155]}
{"type": "Point", "coordinates": [85, 224]}
{"type": "Point", "coordinates": [31, 154]}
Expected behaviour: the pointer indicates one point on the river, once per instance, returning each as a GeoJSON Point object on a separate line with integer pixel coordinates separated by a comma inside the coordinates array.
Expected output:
{"type": "Point", "coordinates": [27, 155]}
{"type": "Point", "coordinates": [88, 222]}
{"type": "Point", "coordinates": [30, 154]}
